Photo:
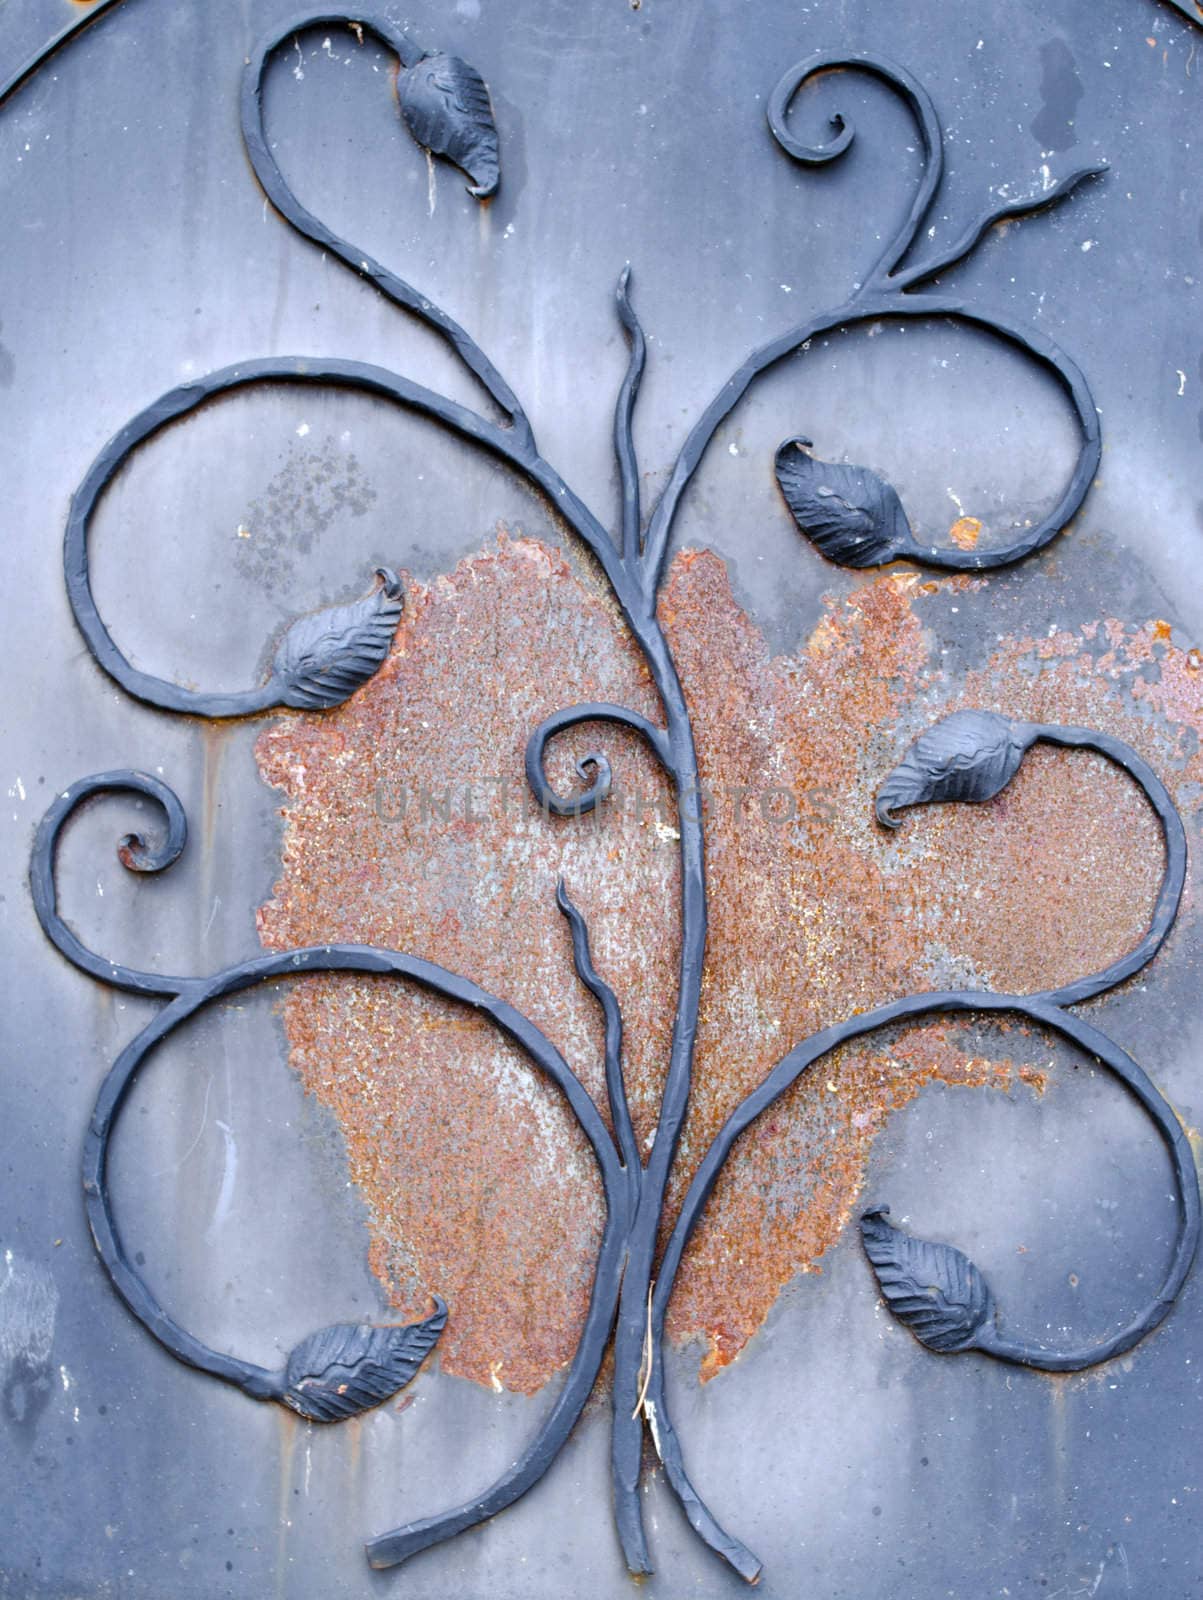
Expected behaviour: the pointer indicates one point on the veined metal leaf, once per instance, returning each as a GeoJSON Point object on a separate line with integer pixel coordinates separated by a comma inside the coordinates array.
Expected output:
{"type": "Point", "coordinates": [446, 107]}
{"type": "Point", "coordinates": [851, 514]}
{"type": "Point", "coordinates": [324, 657]}
{"type": "Point", "coordinates": [971, 755]}
{"type": "Point", "coordinates": [934, 1289]}
{"type": "Point", "coordinates": [350, 1367]}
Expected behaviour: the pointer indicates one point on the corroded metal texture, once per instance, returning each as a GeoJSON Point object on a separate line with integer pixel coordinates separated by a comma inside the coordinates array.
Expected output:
{"type": "Point", "coordinates": [408, 829]}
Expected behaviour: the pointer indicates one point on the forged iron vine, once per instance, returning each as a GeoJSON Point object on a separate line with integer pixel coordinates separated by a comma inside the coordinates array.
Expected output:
{"type": "Point", "coordinates": [855, 518]}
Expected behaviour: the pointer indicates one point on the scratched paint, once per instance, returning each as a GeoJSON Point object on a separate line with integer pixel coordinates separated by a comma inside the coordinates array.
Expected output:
{"type": "Point", "coordinates": [408, 824]}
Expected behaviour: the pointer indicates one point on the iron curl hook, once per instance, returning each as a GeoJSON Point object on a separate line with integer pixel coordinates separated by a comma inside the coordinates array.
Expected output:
{"type": "Point", "coordinates": [917, 101]}
{"type": "Point", "coordinates": [592, 764]}
{"type": "Point", "coordinates": [134, 853]}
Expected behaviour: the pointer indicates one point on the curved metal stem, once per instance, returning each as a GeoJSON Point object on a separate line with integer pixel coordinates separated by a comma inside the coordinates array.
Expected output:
{"type": "Point", "coordinates": [52, 46]}
{"type": "Point", "coordinates": [179, 402]}
{"type": "Point", "coordinates": [868, 306]}
{"type": "Point", "coordinates": [1173, 878]}
{"type": "Point", "coordinates": [957, 252]}
{"type": "Point", "coordinates": [624, 411]}
{"type": "Point", "coordinates": [616, 1090]}
{"type": "Point", "coordinates": [882, 294]}
{"type": "Point", "coordinates": [668, 1447]}
{"type": "Point", "coordinates": [389, 1549]}
{"type": "Point", "coordinates": [971, 755]}
{"type": "Point", "coordinates": [787, 1072]}
{"type": "Point", "coordinates": [393, 288]}
{"type": "Point", "coordinates": [265, 1385]}
{"type": "Point", "coordinates": [674, 746]}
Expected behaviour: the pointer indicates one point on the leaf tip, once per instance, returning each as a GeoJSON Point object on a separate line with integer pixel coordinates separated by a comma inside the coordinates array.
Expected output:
{"type": "Point", "coordinates": [882, 808]}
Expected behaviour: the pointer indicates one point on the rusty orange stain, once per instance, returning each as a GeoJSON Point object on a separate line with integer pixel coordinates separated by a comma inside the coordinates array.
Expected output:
{"type": "Point", "coordinates": [408, 824]}
{"type": "Point", "coordinates": [965, 532]}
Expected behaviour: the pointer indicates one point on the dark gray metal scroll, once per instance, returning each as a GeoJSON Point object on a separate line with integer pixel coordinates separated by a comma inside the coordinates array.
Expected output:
{"type": "Point", "coordinates": [854, 518]}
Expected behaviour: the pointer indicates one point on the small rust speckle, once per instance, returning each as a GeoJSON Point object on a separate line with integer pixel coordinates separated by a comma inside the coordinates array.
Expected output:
{"type": "Point", "coordinates": [408, 824]}
{"type": "Point", "coordinates": [129, 851]}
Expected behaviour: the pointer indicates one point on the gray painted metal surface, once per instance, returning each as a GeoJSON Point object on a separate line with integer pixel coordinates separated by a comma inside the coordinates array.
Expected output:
{"type": "Point", "coordinates": [138, 251]}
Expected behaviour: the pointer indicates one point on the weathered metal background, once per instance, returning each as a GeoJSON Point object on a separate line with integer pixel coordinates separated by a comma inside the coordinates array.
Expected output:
{"type": "Point", "coordinates": [402, 1152]}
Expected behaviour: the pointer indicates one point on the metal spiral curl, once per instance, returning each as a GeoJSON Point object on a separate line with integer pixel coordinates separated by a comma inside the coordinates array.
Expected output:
{"type": "Point", "coordinates": [134, 854]}
{"type": "Point", "coordinates": [918, 102]}
{"type": "Point", "coordinates": [594, 764]}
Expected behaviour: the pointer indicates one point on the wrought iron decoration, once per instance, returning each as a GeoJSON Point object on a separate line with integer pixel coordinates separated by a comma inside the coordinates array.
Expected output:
{"type": "Point", "coordinates": [854, 518]}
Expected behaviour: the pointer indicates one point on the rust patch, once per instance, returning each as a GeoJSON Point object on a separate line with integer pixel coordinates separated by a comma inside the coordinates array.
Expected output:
{"type": "Point", "coordinates": [965, 532]}
{"type": "Point", "coordinates": [408, 824]}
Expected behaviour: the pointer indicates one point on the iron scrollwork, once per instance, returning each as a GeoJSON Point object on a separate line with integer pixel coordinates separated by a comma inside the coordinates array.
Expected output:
{"type": "Point", "coordinates": [854, 518]}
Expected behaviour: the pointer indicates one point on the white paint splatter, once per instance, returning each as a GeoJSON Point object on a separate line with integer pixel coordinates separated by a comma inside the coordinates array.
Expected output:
{"type": "Point", "coordinates": [28, 1307]}
{"type": "Point", "coordinates": [649, 1411]}
{"type": "Point", "coordinates": [229, 1172]}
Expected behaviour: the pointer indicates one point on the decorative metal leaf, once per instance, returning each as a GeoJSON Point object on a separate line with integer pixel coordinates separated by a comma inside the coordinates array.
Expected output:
{"type": "Point", "coordinates": [933, 1288]}
{"type": "Point", "coordinates": [446, 107]}
{"type": "Point", "coordinates": [350, 1367]}
{"type": "Point", "coordinates": [853, 516]}
{"type": "Point", "coordinates": [324, 657]}
{"type": "Point", "coordinates": [971, 755]}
